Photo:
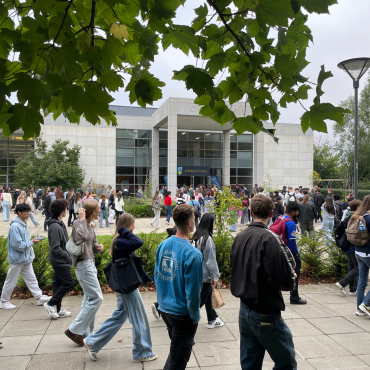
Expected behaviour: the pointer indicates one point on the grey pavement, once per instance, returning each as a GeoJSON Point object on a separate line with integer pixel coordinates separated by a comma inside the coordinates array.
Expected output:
{"type": "Point", "coordinates": [326, 333]}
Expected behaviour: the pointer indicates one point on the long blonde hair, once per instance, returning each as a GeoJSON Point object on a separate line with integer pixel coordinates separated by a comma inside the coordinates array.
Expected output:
{"type": "Point", "coordinates": [126, 220]}
{"type": "Point", "coordinates": [90, 206]}
{"type": "Point", "coordinates": [306, 199]}
{"type": "Point", "coordinates": [364, 207]}
{"type": "Point", "coordinates": [156, 195]}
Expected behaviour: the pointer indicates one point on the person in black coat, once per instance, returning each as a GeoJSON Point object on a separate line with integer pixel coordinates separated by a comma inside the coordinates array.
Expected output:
{"type": "Point", "coordinates": [129, 306]}
{"type": "Point", "coordinates": [319, 200]}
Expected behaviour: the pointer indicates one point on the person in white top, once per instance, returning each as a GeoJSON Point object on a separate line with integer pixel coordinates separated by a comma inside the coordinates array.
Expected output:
{"type": "Point", "coordinates": [29, 201]}
{"type": "Point", "coordinates": [118, 205]}
{"type": "Point", "coordinates": [103, 204]}
{"type": "Point", "coordinates": [6, 197]}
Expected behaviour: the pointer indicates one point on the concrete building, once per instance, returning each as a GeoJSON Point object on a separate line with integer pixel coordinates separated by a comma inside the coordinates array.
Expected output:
{"type": "Point", "coordinates": [174, 140]}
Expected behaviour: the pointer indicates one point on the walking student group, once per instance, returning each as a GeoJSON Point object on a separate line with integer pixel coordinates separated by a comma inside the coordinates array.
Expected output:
{"type": "Point", "coordinates": [186, 271]}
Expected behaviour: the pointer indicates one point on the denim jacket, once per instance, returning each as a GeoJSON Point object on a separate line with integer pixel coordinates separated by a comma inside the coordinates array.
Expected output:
{"type": "Point", "coordinates": [20, 246]}
{"type": "Point", "coordinates": [210, 267]}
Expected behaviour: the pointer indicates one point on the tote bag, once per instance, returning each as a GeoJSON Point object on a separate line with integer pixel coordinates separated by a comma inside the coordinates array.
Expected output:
{"type": "Point", "coordinates": [217, 299]}
{"type": "Point", "coordinates": [74, 249]}
{"type": "Point", "coordinates": [125, 274]}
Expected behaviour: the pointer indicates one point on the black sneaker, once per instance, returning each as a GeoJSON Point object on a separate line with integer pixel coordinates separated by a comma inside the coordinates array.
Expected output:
{"type": "Point", "coordinates": [155, 311]}
{"type": "Point", "coordinates": [297, 301]}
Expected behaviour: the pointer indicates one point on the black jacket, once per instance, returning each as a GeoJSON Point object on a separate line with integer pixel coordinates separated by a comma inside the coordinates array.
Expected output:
{"type": "Point", "coordinates": [319, 200]}
{"type": "Point", "coordinates": [259, 270]}
{"type": "Point", "coordinates": [307, 212]}
{"type": "Point", "coordinates": [58, 238]}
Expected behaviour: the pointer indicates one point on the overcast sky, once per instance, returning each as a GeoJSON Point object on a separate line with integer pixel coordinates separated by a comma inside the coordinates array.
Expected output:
{"type": "Point", "coordinates": [341, 35]}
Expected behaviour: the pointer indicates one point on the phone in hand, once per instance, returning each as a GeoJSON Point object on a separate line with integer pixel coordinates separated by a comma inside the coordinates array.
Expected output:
{"type": "Point", "coordinates": [40, 238]}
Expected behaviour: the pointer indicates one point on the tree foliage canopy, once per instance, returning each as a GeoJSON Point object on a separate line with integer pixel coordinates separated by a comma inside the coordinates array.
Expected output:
{"type": "Point", "coordinates": [69, 56]}
{"type": "Point", "coordinates": [326, 160]}
{"type": "Point", "coordinates": [48, 167]}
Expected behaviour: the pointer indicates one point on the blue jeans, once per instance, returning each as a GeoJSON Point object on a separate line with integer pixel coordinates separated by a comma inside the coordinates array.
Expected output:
{"type": "Point", "coordinates": [363, 271]}
{"type": "Point", "coordinates": [87, 277]}
{"type": "Point", "coordinates": [328, 227]}
{"type": "Point", "coordinates": [260, 333]}
{"type": "Point", "coordinates": [234, 217]}
{"type": "Point", "coordinates": [105, 214]}
{"type": "Point", "coordinates": [6, 211]}
{"type": "Point", "coordinates": [129, 306]}
{"type": "Point", "coordinates": [168, 212]}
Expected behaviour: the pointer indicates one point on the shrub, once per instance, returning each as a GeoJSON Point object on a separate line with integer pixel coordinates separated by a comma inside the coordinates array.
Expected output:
{"type": "Point", "coordinates": [4, 266]}
{"type": "Point", "coordinates": [103, 258]}
{"type": "Point", "coordinates": [336, 262]}
{"type": "Point", "coordinates": [223, 243]}
{"type": "Point", "coordinates": [344, 192]}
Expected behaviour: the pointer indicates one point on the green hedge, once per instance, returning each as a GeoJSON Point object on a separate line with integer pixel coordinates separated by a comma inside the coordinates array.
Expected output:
{"type": "Point", "coordinates": [344, 192]}
{"type": "Point", "coordinates": [143, 210]}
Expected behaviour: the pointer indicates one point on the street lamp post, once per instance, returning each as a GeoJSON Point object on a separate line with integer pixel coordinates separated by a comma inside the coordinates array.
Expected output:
{"type": "Point", "coordinates": [356, 68]}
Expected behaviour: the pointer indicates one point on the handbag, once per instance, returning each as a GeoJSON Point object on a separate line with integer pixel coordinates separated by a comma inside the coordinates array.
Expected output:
{"type": "Point", "coordinates": [74, 249]}
{"type": "Point", "coordinates": [217, 299]}
{"type": "Point", "coordinates": [124, 275]}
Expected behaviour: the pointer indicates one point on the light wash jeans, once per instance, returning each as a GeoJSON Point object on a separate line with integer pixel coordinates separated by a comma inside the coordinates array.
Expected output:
{"type": "Point", "coordinates": [363, 271]}
{"type": "Point", "coordinates": [328, 226]}
{"type": "Point", "coordinates": [87, 277]}
{"type": "Point", "coordinates": [33, 219]}
{"type": "Point", "coordinates": [129, 306]}
{"type": "Point", "coordinates": [6, 211]}
{"type": "Point", "coordinates": [157, 215]}
{"type": "Point", "coordinates": [101, 215]}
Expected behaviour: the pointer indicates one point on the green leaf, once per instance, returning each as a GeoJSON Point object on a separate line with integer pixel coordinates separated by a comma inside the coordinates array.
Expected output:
{"type": "Point", "coordinates": [301, 93]}
{"type": "Point", "coordinates": [274, 12]}
{"type": "Point", "coordinates": [215, 64]}
{"type": "Point", "coordinates": [249, 123]}
{"type": "Point", "coordinates": [28, 119]}
{"type": "Point", "coordinates": [285, 65]}
{"type": "Point", "coordinates": [317, 6]}
{"type": "Point", "coordinates": [200, 21]}
{"type": "Point", "coordinates": [183, 38]}
{"type": "Point", "coordinates": [323, 75]}
{"type": "Point", "coordinates": [111, 80]}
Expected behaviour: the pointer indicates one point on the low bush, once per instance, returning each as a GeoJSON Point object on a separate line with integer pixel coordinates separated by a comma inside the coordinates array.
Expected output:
{"type": "Point", "coordinates": [344, 192]}
{"type": "Point", "coordinates": [223, 244]}
{"type": "Point", "coordinates": [4, 266]}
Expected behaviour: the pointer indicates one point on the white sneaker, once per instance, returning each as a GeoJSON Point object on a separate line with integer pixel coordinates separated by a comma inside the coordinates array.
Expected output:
{"type": "Point", "coordinates": [52, 311]}
{"type": "Point", "coordinates": [353, 293]}
{"type": "Point", "coordinates": [7, 306]}
{"type": "Point", "coordinates": [63, 313]}
{"type": "Point", "coordinates": [93, 355]}
{"type": "Point", "coordinates": [365, 309]}
{"type": "Point", "coordinates": [167, 222]}
{"type": "Point", "coordinates": [341, 288]}
{"type": "Point", "coordinates": [43, 299]}
{"type": "Point", "coordinates": [146, 359]}
{"type": "Point", "coordinates": [360, 313]}
{"type": "Point", "coordinates": [215, 324]}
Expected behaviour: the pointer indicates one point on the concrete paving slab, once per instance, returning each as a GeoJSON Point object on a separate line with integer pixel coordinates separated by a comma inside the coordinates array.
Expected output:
{"type": "Point", "coordinates": [312, 288]}
{"type": "Point", "coordinates": [20, 346]}
{"type": "Point", "coordinates": [226, 367]}
{"type": "Point", "coordinates": [312, 311]}
{"type": "Point", "coordinates": [340, 362]}
{"type": "Point", "coordinates": [365, 358]}
{"type": "Point", "coordinates": [31, 313]}
{"type": "Point", "coordinates": [342, 309]}
{"type": "Point", "coordinates": [327, 298]}
{"type": "Point", "coordinates": [163, 352]}
{"type": "Point", "coordinates": [290, 314]}
{"type": "Point", "coordinates": [6, 315]}
{"type": "Point", "coordinates": [15, 362]}
{"type": "Point", "coordinates": [335, 325]}
{"type": "Point", "coordinates": [222, 334]}
{"type": "Point", "coordinates": [356, 343]}
{"type": "Point", "coordinates": [229, 314]}
{"type": "Point", "coordinates": [57, 343]}
{"type": "Point", "coordinates": [301, 365]}
{"type": "Point", "coordinates": [58, 361]}
{"type": "Point", "coordinates": [60, 325]}
{"type": "Point", "coordinates": [361, 321]}
{"type": "Point", "coordinates": [302, 328]}
{"type": "Point", "coordinates": [21, 328]}
{"type": "Point", "coordinates": [113, 360]}
{"type": "Point", "coordinates": [319, 346]}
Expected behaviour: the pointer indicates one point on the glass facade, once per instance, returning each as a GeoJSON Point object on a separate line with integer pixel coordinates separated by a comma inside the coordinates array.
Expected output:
{"type": "Point", "coordinates": [11, 149]}
{"type": "Point", "coordinates": [133, 158]}
{"type": "Point", "coordinates": [241, 160]}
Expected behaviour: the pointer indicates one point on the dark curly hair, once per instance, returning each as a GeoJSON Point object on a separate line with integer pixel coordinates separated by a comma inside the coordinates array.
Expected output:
{"type": "Point", "coordinates": [57, 207]}
{"type": "Point", "coordinates": [22, 207]}
{"type": "Point", "coordinates": [262, 206]}
{"type": "Point", "coordinates": [182, 214]}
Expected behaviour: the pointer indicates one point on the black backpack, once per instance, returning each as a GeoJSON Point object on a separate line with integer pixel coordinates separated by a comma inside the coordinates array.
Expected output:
{"type": "Point", "coordinates": [341, 236]}
{"type": "Point", "coordinates": [102, 206]}
{"type": "Point", "coordinates": [47, 202]}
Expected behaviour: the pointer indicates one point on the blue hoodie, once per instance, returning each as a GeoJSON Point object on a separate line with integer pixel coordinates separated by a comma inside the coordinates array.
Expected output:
{"type": "Point", "coordinates": [20, 246]}
{"type": "Point", "coordinates": [178, 276]}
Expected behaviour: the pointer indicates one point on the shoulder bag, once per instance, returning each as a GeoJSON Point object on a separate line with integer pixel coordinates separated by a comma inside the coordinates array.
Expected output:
{"type": "Point", "coordinates": [74, 249]}
{"type": "Point", "coordinates": [217, 299]}
{"type": "Point", "coordinates": [125, 274]}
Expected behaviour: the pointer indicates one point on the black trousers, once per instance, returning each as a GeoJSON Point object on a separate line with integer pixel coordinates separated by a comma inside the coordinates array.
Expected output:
{"type": "Point", "coordinates": [71, 213]}
{"type": "Point", "coordinates": [319, 216]}
{"type": "Point", "coordinates": [206, 299]}
{"type": "Point", "coordinates": [62, 283]}
{"type": "Point", "coordinates": [298, 263]}
{"type": "Point", "coordinates": [47, 216]}
{"type": "Point", "coordinates": [351, 278]}
{"type": "Point", "coordinates": [118, 213]}
{"type": "Point", "coordinates": [181, 331]}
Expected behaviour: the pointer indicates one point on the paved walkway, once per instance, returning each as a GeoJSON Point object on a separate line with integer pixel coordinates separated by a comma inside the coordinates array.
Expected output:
{"type": "Point", "coordinates": [327, 335]}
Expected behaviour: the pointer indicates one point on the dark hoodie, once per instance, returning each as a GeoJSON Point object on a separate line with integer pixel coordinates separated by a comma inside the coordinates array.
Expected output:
{"type": "Point", "coordinates": [58, 238]}
{"type": "Point", "coordinates": [338, 210]}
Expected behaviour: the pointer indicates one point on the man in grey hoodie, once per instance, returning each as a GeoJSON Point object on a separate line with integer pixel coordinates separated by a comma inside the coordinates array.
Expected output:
{"type": "Point", "coordinates": [47, 202]}
{"type": "Point", "coordinates": [59, 258]}
{"type": "Point", "coordinates": [338, 209]}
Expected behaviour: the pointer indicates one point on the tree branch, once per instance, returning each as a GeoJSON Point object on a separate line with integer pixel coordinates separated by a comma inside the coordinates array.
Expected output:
{"type": "Point", "coordinates": [64, 18]}
{"type": "Point", "coordinates": [237, 13]}
{"type": "Point", "coordinates": [115, 14]}
{"type": "Point", "coordinates": [92, 19]}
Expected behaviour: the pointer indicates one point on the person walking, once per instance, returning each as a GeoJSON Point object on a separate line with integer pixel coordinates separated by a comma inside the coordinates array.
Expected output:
{"type": "Point", "coordinates": [140, 193]}
{"type": "Point", "coordinates": [88, 196]}
{"type": "Point", "coordinates": [351, 278]}
{"type": "Point", "coordinates": [29, 201]}
{"type": "Point", "coordinates": [129, 306]}
{"type": "Point", "coordinates": [259, 273]}
{"type": "Point", "coordinates": [112, 211]}
{"type": "Point", "coordinates": [7, 204]}
{"type": "Point", "coordinates": [108, 192]}
{"type": "Point", "coordinates": [363, 260]}
{"type": "Point", "coordinates": [168, 207]}
{"type": "Point", "coordinates": [209, 202]}
{"type": "Point", "coordinates": [245, 204]}
{"type": "Point", "coordinates": [60, 259]}
{"type": "Point", "coordinates": [71, 209]}
{"type": "Point", "coordinates": [50, 197]}
{"type": "Point", "coordinates": [59, 192]}
{"type": "Point", "coordinates": [20, 257]}
{"type": "Point", "coordinates": [178, 276]}
{"type": "Point", "coordinates": [307, 216]}
{"type": "Point", "coordinates": [319, 200]}
{"type": "Point", "coordinates": [328, 217]}
{"type": "Point", "coordinates": [103, 203]}
{"type": "Point", "coordinates": [86, 273]}
{"type": "Point", "coordinates": [278, 208]}
{"type": "Point", "coordinates": [156, 207]}
{"type": "Point", "coordinates": [118, 205]}
{"type": "Point", "coordinates": [202, 239]}
{"type": "Point", "coordinates": [338, 208]}
{"type": "Point", "coordinates": [77, 204]}
{"type": "Point", "coordinates": [197, 212]}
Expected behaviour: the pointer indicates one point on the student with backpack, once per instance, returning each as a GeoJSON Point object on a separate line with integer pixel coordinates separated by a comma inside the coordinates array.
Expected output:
{"type": "Point", "coordinates": [278, 208]}
{"type": "Point", "coordinates": [156, 207]}
{"type": "Point", "coordinates": [197, 212]}
{"type": "Point", "coordinates": [245, 207]}
{"type": "Point", "coordinates": [328, 217]}
{"type": "Point", "coordinates": [338, 207]}
{"type": "Point", "coordinates": [358, 234]}
{"type": "Point", "coordinates": [285, 227]}
{"type": "Point", "coordinates": [103, 203]}
{"type": "Point", "coordinates": [351, 278]}
{"type": "Point", "coordinates": [307, 216]}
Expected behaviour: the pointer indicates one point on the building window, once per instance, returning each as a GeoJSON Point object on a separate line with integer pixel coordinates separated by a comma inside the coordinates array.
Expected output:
{"type": "Point", "coordinates": [133, 158]}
